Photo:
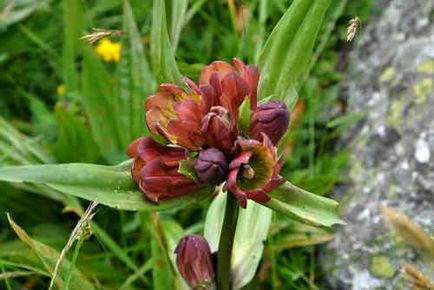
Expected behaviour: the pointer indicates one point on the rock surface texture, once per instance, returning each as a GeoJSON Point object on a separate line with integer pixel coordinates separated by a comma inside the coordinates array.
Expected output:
{"type": "Point", "coordinates": [391, 82]}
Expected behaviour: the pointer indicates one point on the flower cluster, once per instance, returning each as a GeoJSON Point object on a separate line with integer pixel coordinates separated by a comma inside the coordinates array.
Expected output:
{"type": "Point", "coordinates": [202, 122]}
{"type": "Point", "coordinates": [109, 51]}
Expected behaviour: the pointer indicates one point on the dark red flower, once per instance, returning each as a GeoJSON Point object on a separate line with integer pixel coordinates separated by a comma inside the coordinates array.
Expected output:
{"type": "Point", "coordinates": [176, 115]}
{"type": "Point", "coordinates": [211, 166]}
{"type": "Point", "coordinates": [155, 169]}
{"type": "Point", "coordinates": [271, 118]}
{"type": "Point", "coordinates": [229, 85]}
{"type": "Point", "coordinates": [194, 262]}
{"type": "Point", "coordinates": [219, 129]}
{"type": "Point", "coordinates": [255, 171]}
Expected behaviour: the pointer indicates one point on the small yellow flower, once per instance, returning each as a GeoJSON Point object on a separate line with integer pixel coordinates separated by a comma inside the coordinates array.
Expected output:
{"type": "Point", "coordinates": [109, 51]}
{"type": "Point", "coordinates": [60, 91]}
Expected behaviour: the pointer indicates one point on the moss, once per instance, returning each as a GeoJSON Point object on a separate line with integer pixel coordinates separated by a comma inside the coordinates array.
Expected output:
{"type": "Point", "coordinates": [388, 74]}
{"type": "Point", "coordinates": [394, 117]}
{"type": "Point", "coordinates": [393, 191]}
{"type": "Point", "coordinates": [422, 89]}
{"type": "Point", "coordinates": [381, 267]}
{"type": "Point", "coordinates": [426, 67]}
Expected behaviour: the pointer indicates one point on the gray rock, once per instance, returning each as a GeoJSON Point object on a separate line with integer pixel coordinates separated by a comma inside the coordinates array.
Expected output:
{"type": "Point", "coordinates": [391, 82]}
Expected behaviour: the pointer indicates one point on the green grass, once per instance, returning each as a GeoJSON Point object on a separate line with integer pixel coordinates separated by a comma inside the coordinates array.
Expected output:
{"type": "Point", "coordinates": [43, 50]}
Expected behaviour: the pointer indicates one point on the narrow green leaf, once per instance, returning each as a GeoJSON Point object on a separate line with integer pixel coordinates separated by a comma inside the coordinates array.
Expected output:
{"type": "Point", "coordinates": [49, 256]}
{"type": "Point", "coordinates": [173, 232]}
{"type": "Point", "coordinates": [162, 272]}
{"type": "Point", "coordinates": [162, 54]}
{"type": "Point", "coordinates": [178, 10]}
{"type": "Point", "coordinates": [74, 134]}
{"type": "Point", "coordinates": [73, 23]}
{"type": "Point", "coordinates": [16, 11]}
{"type": "Point", "coordinates": [108, 185]}
{"type": "Point", "coordinates": [304, 206]}
{"type": "Point", "coordinates": [253, 222]}
{"type": "Point", "coordinates": [136, 81]}
{"type": "Point", "coordinates": [99, 101]}
{"type": "Point", "coordinates": [24, 148]}
{"type": "Point", "coordinates": [287, 52]}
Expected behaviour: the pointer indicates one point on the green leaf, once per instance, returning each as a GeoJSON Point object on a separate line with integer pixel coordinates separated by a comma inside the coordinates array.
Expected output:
{"type": "Point", "coordinates": [245, 114]}
{"type": "Point", "coordinates": [48, 256]}
{"type": "Point", "coordinates": [178, 10]}
{"type": "Point", "coordinates": [18, 148]}
{"type": "Point", "coordinates": [162, 272]}
{"type": "Point", "coordinates": [162, 54]}
{"type": "Point", "coordinates": [135, 81]}
{"type": "Point", "coordinates": [73, 23]}
{"type": "Point", "coordinates": [108, 185]}
{"type": "Point", "coordinates": [253, 222]}
{"type": "Point", "coordinates": [16, 11]}
{"type": "Point", "coordinates": [288, 50]}
{"type": "Point", "coordinates": [74, 134]}
{"type": "Point", "coordinates": [99, 101]}
{"type": "Point", "coordinates": [186, 168]}
{"type": "Point", "coordinates": [304, 206]}
{"type": "Point", "coordinates": [173, 232]}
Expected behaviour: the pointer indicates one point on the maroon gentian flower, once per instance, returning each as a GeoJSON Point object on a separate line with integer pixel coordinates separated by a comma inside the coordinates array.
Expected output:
{"type": "Point", "coordinates": [194, 262]}
{"type": "Point", "coordinates": [271, 118]}
{"type": "Point", "coordinates": [201, 121]}
{"type": "Point", "coordinates": [254, 171]}
{"type": "Point", "coordinates": [155, 169]}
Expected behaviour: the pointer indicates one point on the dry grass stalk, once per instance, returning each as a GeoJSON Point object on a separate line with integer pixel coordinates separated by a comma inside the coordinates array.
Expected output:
{"type": "Point", "coordinates": [99, 33]}
{"type": "Point", "coordinates": [418, 280]}
{"type": "Point", "coordinates": [412, 232]}
{"type": "Point", "coordinates": [14, 274]}
{"type": "Point", "coordinates": [75, 234]}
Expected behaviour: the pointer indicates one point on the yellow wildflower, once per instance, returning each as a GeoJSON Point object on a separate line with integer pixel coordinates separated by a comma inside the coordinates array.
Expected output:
{"type": "Point", "coordinates": [60, 91]}
{"type": "Point", "coordinates": [109, 51]}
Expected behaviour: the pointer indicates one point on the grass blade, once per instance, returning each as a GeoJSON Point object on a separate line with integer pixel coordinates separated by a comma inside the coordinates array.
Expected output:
{"type": "Point", "coordinates": [162, 54]}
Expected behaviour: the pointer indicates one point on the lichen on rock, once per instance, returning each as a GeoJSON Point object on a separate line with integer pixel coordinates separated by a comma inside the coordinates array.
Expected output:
{"type": "Point", "coordinates": [391, 82]}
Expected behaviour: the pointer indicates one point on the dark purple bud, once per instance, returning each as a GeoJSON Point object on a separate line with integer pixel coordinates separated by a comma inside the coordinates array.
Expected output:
{"type": "Point", "coordinates": [211, 166]}
{"type": "Point", "coordinates": [219, 129]}
{"type": "Point", "coordinates": [194, 262]}
{"type": "Point", "coordinates": [271, 118]}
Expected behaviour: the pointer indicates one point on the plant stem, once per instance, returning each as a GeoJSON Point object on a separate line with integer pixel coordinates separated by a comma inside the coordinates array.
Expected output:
{"type": "Point", "coordinates": [226, 241]}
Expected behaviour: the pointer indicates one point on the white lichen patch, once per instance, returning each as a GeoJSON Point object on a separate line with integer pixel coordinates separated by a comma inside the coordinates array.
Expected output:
{"type": "Point", "coordinates": [421, 152]}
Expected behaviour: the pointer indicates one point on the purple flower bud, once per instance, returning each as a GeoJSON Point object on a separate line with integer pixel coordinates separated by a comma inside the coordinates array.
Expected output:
{"type": "Point", "coordinates": [194, 262]}
{"type": "Point", "coordinates": [219, 129]}
{"type": "Point", "coordinates": [271, 118]}
{"type": "Point", "coordinates": [211, 166]}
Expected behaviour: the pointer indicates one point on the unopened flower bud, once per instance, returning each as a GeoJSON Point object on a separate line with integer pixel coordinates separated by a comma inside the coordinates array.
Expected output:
{"type": "Point", "coordinates": [211, 166]}
{"type": "Point", "coordinates": [194, 262]}
{"type": "Point", "coordinates": [219, 129]}
{"type": "Point", "coordinates": [271, 118]}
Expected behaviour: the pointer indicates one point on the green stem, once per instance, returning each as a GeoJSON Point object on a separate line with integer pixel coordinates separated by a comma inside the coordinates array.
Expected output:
{"type": "Point", "coordinates": [226, 241]}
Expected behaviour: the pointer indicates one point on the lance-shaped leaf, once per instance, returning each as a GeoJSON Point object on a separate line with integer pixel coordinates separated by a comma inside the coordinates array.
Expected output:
{"type": "Point", "coordinates": [48, 257]}
{"type": "Point", "coordinates": [135, 80]}
{"type": "Point", "coordinates": [162, 272]}
{"type": "Point", "coordinates": [288, 50]}
{"type": "Point", "coordinates": [253, 222]}
{"type": "Point", "coordinates": [304, 206]}
{"type": "Point", "coordinates": [98, 98]}
{"type": "Point", "coordinates": [108, 185]}
{"type": "Point", "coordinates": [162, 54]}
